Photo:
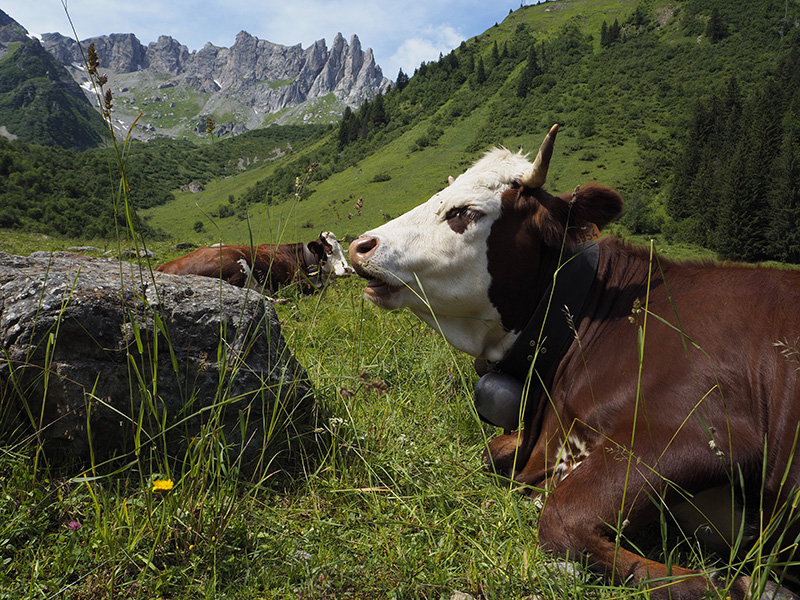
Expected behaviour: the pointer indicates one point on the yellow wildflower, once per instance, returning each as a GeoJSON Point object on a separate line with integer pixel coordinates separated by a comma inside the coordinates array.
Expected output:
{"type": "Point", "coordinates": [162, 485]}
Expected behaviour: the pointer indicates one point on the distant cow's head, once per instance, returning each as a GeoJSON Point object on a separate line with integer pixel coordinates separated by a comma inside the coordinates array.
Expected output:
{"type": "Point", "coordinates": [331, 256]}
{"type": "Point", "coordinates": [470, 261]}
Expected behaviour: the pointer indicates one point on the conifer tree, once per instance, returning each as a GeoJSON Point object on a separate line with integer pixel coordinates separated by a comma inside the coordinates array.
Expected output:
{"type": "Point", "coordinates": [716, 28]}
{"type": "Point", "coordinates": [480, 72]}
{"type": "Point", "coordinates": [348, 128]}
{"type": "Point", "coordinates": [609, 34]}
{"type": "Point", "coordinates": [529, 73]}
{"type": "Point", "coordinates": [402, 80]}
{"type": "Point", "coordinates": [378, 115]}
{"type": "Point", "coordinates": [495, 55]}
{"type": "Point", "coordinates": [638, 18]}
{"type": "Point", "coordinates": [744, 208]}
{"type": "Point", "coordinates": [683, 201]}
{"type": "Point", "coordinates": [364, 119]}
{"type": "Point", "coordinates": [784, 198]}
{"type": "Point", "coordinates": [614, 32]}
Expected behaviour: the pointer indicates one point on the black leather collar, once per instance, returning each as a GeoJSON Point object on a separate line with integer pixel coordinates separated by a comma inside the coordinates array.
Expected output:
{"type": "Point", "coordinates": [543, 341]}
{"type": "Point", "coordinates": [550, 330]}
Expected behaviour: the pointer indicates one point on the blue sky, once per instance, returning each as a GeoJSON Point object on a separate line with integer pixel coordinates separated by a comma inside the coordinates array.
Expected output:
{"type": "Point", "coordinates": [402, 33]}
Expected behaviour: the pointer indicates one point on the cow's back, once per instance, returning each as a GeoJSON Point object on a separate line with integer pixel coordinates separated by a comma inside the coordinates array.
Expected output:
{"type": "Point", "coordinates": [739, 333]}
{"type": "Point", "coordinates": [697, 351]}
{"type": "Point", "coordinates": [230, 263]}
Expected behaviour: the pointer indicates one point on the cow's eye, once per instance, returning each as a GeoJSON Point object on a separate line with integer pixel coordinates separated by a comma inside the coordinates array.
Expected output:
{"type": "Point", "coordinates": [462, 212]}
{"type": "Point", "coordinates": [460, 217]}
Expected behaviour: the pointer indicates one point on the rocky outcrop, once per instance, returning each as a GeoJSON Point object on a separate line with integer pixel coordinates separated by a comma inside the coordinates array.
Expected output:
{"type": "Point", "coordinates": [252, 78]}
{"type": "Point", "coordinates": [10, 30]}
{"type": "Point", "coordinates": [99, 359]}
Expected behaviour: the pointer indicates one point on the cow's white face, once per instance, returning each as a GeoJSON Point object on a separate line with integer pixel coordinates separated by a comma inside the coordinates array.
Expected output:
{"type": "Point", "coordinates": [336, 264]}
{"type": "Point", "coordinates": [433, 259]}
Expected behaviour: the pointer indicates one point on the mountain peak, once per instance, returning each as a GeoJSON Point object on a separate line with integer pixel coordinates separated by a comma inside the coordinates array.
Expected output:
{"type": "Point", "coordinates": [252, 80]}
{"type": "Point", "coordinates": [11, 31]}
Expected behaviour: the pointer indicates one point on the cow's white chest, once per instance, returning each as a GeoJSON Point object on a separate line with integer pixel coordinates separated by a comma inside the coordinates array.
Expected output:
{"type": "Point", "coordinates": [570, 454]}
{"type": "Point", "coordinates": [244, 267]}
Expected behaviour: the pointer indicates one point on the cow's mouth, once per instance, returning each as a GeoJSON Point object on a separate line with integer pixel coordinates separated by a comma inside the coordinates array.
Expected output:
{"type": "Point", "coordinates": [378, 289]}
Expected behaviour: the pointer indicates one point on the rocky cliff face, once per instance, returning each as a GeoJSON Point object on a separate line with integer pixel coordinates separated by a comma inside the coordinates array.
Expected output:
{"type": "Point", "coordinates": [10, 30]}
{"type": "Point", "coordinates": [253, 80]}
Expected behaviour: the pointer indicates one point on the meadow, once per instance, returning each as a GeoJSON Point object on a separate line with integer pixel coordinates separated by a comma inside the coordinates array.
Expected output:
{"type": "Point", "coordinates": [392, 500]}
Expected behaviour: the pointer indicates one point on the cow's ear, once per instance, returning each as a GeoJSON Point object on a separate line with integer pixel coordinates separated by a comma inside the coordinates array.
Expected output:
{"type": "Point", "coordinates": [317, 249]}
{"type": "Point", "coordinates": [592, 204]}
{"type": "Point", "coordinates": [323, 241]}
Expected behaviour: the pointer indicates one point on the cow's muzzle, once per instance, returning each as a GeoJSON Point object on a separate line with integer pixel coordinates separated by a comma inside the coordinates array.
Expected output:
{"type": "Point", "coordinates": [379, 289]}
{"type": "Point", "coordinates": [360, 251]}
{"type": "Point", "coordinates": [362, 248]}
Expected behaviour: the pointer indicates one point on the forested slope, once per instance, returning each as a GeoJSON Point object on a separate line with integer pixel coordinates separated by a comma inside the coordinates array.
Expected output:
{"type": "Point", "coordinates": [659, 98]}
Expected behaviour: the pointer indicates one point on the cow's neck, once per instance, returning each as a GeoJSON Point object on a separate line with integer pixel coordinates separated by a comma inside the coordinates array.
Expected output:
{"type": "Point", "coordinates": [311, 265]}
{"type": "Point", "coordinates": [477, 335]}
{"type": "Point", "coordinates": [540, 345]}
{"type": "Point", "coordinates": [551, 327]}
{"type": "Point", "coordinates": [488, 336]}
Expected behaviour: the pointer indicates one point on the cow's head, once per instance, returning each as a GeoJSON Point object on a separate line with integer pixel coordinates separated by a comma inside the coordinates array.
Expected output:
{"type": "Point", "coordinates": [330, 256]}
{"type": "Point", "coordinates": [474, 259]}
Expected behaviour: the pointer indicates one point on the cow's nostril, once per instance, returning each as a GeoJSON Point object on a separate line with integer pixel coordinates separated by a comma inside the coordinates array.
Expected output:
{"type": "Point", "coordinates": [362, 246]}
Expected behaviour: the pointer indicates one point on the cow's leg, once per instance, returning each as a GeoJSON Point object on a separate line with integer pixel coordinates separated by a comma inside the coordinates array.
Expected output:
{"type": "Point", "coordinates": [254, 285]}
{"type": "Point", "coordinates": [605, 493]}
{"type": "Point", "coordinates": [504, 452]}
{"type": "Point", "coordinates": [531, 460]}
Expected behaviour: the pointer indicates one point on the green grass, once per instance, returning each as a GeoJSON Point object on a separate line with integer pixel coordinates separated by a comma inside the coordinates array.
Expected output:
{"type": "Point", "coordinates": [397, 506]}
{"type": "Point", "coordinates": [277, 84]}
{"type": "Point", "coordinates": [11, 48]}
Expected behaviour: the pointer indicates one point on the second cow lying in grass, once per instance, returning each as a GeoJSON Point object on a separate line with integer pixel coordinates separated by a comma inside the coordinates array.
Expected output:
{"type": "Point", "coordinates": [267, 267]}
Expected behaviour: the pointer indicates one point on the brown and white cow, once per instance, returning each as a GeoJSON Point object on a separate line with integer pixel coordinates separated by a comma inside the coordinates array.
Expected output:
{"type": "Point", "coordinates": [268, 266]}
{"type": "Point", "coordinates": [655, 387]}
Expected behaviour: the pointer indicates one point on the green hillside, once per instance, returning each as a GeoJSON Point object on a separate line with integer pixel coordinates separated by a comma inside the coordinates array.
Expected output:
{"type": "Point", "coordinates": [625, 105]}
{"type": "Point", "coordinates": [690, 107]}
{"type": "Point", "coordinates": [631, 82]}
{"type": "Point", "coordinates": [41, 104]}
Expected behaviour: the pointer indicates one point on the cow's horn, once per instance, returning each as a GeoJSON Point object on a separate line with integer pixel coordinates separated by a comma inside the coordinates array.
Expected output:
{"type": "Point", "coordinates": [536, 177]}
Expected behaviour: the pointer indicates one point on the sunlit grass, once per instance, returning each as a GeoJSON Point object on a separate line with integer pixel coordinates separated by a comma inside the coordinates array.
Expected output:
{"type": "Point", "coordinates": [397, 506]}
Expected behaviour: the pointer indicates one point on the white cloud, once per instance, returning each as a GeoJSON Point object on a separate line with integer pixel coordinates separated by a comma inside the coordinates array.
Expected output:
{"type": "Point", "coordinates": [425, 46]}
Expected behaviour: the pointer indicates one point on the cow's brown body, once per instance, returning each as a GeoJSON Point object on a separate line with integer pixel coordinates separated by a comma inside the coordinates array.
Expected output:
{"type": "Point", "coordinates": [274, 265]}
{"type": "Point", "coordinates": [717, 384]}
{"type": "Point", "coordinates": [675, 395]}
{"type": "Point", "coordinates": [266, 266]}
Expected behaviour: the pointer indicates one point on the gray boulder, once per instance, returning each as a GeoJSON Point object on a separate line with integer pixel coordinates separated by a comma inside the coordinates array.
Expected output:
{"type": "Point", "coordinates": [103, 359]}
